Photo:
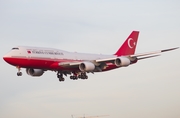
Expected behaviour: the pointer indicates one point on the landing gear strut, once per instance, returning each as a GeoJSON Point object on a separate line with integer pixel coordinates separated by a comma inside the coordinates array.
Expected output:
{"type": "Point", "coordinates": [19, 73]}
{"type": "Point", "coordinates": [74, 76]}
{"type": "Point", "coordinates": [60, 76]}
{"type": "Point", "coordinates": [83, 76]}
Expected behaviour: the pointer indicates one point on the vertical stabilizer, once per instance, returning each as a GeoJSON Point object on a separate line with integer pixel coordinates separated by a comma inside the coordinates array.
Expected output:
{"type": "Point", "coordinates": [129, 46]}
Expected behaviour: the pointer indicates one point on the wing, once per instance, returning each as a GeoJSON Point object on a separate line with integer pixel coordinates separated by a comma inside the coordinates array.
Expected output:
{"type": "Point", "coordinates": [151, 54]}
{"type": "Point", "coordinates": [103, 64]}
{"type": "Point", "coordinates": [133, 58]}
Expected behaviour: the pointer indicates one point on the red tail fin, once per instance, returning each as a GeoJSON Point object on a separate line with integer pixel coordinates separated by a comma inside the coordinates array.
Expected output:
{"type": "Point", "coordinates": [129, 46]}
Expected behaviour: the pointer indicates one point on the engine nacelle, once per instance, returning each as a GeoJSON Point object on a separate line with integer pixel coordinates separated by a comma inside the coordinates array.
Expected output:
{"type": "Point", "coordinates": [122, 61]}
{"type": "Point", "coordinates": [34, 72]}
{"type": "Point", "coordinates": [86, 66]}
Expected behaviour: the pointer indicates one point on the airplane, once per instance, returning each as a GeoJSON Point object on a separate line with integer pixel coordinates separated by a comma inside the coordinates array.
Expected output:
{"type": "Point", "coordinates": [37, 60]}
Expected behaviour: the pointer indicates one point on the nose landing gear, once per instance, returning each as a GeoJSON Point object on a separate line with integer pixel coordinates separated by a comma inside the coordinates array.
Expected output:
{"type": "Point", "coordinates": [19, 73]}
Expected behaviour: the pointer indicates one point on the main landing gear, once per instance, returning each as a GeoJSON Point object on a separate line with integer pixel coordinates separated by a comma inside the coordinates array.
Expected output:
{"type": "Point", "coordinates": [75, 76]}
{"type": "Point", "coordinates": [19, 73]}
{"type": "Point", "coordinates": [81, 76]}
{"type": "Point", "coordinates": [60, 76]}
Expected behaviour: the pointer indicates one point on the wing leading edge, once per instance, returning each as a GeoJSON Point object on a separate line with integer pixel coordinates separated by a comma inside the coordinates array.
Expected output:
{"type": "Point", "coordinates": [151, 54]}
{"type": "Point", "coordinates": [118, 60]}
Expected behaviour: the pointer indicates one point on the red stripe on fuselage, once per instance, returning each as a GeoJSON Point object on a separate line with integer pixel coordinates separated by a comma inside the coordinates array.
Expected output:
{"type": "Point", "coordinates": [44, 63]}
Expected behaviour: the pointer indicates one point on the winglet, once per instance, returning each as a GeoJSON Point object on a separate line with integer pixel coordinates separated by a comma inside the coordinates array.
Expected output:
{"type": "Point", "coordinates": [129, 46]}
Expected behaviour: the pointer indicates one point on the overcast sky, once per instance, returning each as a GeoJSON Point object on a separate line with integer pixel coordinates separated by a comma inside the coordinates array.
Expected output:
{"type": "Point", "coordinates": [148, 89]}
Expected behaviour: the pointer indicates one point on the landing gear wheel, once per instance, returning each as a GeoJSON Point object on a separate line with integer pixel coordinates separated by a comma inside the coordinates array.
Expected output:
{"type": "Point", "coordinates": [86, 77]}
{"type": "Point", "coordinates": [83, 76]}
{"type": "Point", "coordinates": [60, 76]}
{"type": "Point", "coordinates": [19, 73]}
{"type": "Point", "coordinates": [61, 79]}
{"type": "Point", "coordinates": [73, 77]}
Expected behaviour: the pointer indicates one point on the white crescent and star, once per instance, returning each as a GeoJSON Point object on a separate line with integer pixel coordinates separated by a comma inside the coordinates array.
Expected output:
{"type": "Point", "coordinates": [129, 44]}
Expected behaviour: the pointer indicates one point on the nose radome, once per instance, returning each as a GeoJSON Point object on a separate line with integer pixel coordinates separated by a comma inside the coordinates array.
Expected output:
{"type": "Point", "coordinates": [5, 57]}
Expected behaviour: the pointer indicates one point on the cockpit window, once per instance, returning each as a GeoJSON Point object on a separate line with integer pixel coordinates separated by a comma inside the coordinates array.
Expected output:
{"type": "Point", "coordinates": [15, 48]}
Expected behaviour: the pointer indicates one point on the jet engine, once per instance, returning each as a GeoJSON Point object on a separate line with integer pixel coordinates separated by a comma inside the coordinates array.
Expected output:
{"type": "Point", "coordinates": [122, 61]}
{"type": "Point", "coordinates": [34, 72]}
{"type": "Point", "coordinates": [87, 66]}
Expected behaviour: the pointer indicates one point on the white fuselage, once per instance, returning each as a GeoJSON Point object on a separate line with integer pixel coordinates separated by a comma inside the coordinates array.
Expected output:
{"type": "Point", "coordinates": [36, 57]}
{"type": "Point", "coordinates": [50, 53]}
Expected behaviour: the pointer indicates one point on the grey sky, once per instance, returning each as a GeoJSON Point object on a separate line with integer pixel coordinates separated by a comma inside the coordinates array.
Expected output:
{"type": "Point", "coordinates": [147, 89]}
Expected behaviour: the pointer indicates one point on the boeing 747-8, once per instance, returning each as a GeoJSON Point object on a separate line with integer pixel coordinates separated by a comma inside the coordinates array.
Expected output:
{"type": "Point", "coordinates": [37, 60]}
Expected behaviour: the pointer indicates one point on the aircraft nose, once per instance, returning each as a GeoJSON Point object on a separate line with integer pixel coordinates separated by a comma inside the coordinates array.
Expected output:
{"type": "Point", "coordinates": [5, 57]}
